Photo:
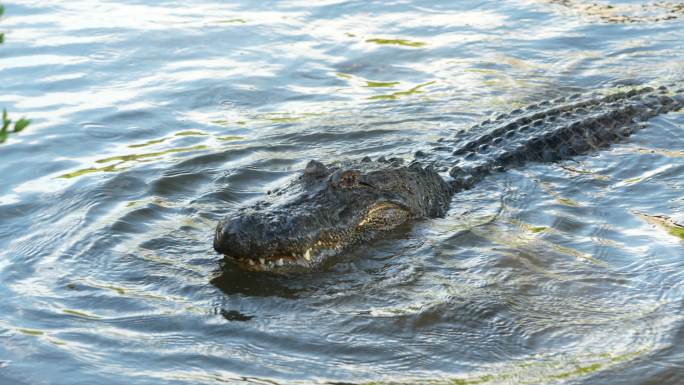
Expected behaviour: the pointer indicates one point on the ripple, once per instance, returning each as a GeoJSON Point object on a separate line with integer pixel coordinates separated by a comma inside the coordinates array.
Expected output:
{"type": "Point", "coordinates": [150, 122]}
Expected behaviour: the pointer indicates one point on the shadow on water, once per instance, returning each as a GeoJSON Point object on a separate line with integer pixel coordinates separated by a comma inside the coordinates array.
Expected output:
{"type": "Point", "coordinates": [233, 280]}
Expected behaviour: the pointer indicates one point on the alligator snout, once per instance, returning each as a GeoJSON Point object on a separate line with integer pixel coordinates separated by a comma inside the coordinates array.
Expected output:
{"type": "Point", "coordinates": [260, 239]}
{"type": "Point", "coordinates": [241, 237]}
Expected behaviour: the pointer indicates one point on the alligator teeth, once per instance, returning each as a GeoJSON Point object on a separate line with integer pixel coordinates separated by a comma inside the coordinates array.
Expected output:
{"type": "Point", "coordinates": [280, 262]}
{"type": "Point", "coordinates": [262, 261]}
{"type": "Point", "coordinates": [307, 255]}
{"type": "Point", "coordinates": [251, 262]}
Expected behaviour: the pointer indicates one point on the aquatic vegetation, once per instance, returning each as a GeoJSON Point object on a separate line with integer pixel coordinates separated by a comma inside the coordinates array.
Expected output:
{"type": "Point", "coordinates": [528, 227]}
{"type": "Point", "coordinates": [232, 21]}
{"type": "Point", "coordinates": [548, 188]}
{"type": "Point", "coordinates": [190, 133]}
{"type": "Point", "coordinates": [396, 95]}
{"type": "Point", "coordinates": [80, 314]}
{"type": "Point", "coordinates": [20, 124]}
{"type": "Point", "coordinates": [126, 159]}
{"type": "Point", "coordinates": [664, 222]}
{"type": "Point", "coordinates": [110, 168]}
{"type": "Point", "coordinates": [401, 42]}
{"type": "Point", "coordinates": [372, 84]}
{"type": "Point", "coordinates": [542, 370]}
{"type": "Point", "coordinates": [227, 123]}
{"type": "Point", "coordinates": [228, 138]}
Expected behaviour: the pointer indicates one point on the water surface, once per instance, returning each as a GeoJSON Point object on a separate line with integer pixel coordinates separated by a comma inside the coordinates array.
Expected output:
{"type": "Point", "coordinates": [152, 120]}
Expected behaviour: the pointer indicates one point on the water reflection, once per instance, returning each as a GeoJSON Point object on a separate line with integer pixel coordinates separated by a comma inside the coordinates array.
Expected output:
{"type": "Point", "coordinates": [233, 280]}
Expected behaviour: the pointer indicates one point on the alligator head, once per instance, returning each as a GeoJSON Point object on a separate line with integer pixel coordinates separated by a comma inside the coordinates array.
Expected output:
{"type": "Point", "coordinates": [328, 208]}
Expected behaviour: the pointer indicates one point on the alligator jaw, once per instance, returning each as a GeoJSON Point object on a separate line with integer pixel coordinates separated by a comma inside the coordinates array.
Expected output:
{"type": "Point", "coordinates": [278, 254]}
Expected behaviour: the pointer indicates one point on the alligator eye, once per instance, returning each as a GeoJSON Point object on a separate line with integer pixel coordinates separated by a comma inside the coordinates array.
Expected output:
{"type": "Point", "coordinates": [347, 179]}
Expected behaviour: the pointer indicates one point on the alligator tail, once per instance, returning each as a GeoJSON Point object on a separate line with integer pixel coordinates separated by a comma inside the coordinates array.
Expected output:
{"type": "Point", "coordinates": [556, 130]}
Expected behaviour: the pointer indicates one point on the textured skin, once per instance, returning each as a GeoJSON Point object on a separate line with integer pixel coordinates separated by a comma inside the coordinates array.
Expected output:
{"type": "Point", "coordinates": [329, 208]}
{"type": "Point", "coordinates": [549, 131]}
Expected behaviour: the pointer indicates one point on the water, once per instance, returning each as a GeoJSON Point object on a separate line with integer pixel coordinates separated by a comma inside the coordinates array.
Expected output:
{"type": "Point", "coordinates": [152, 120]}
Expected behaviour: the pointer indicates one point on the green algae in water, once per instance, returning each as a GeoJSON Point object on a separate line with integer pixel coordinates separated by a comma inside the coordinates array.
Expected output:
{"type": "Point", "coordinates": [227, 138]}
{"type": "Point", "coordinates": [80, 314]}
{"type": "Point", "coordinates": [538, 229]}
{"type": "Point", "coordinates": [529, 228]}
{"type": "Point", "coordinates": [128, 158]}
{"type": "Point", "coordinates": [567, 202]}
{"type": "Point", "coordinates": [369, 83]}
{"type": "Point", "coordinates": [580, 171]}
{"type": "Point", "coordinates": [664, 222]}
{"type": "Point", "coordinates": [632, 180]}
{"type": "Point", "coordinates": [372, 84]}
{"type": "Point", "coordinates": [90, 170]}
{"type": "Point", "coordinates": [190, 133]}
{"type": "Point", "coordinates": [231, 21]}
{"type": "Point", "coordinates": [57, 342]}
{"type": "Point", "coordinates": [148, 143]}
{"type": "Point", "coordinates": [400, 42]}
{"type": "Point", "coordinates": [161, 140]}
{"type": "Point", "coordinates": [677, 232]}
{"type": "Point", "coordinates": [396, 95]}
{"type": "Point", "coordinates": [547, 187]}
{"type": "Point", "coordinates": [287, 117]}
{"type": "Point", "coordinates": [227, 123]}
{"type": "Point", "coordinates": [538, 372]}
{"type": "Point", "coordinates": [137, 157]}
{"type": "Point", "coordinates": [31, 332]}
{"type": "Point", "coordinates": [118, 290]}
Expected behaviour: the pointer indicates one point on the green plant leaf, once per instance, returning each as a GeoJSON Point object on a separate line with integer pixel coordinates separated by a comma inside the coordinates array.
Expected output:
{"type": "Point", "coordinates": [5, 121]}
{"type": "Point", "coordinates": [21, 124]}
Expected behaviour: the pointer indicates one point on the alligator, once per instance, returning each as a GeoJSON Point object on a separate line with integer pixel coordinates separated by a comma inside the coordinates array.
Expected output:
{"type": "Point", "coordinates": [328, 208]}
{"type": "Point", "coordinates": [656, 11]}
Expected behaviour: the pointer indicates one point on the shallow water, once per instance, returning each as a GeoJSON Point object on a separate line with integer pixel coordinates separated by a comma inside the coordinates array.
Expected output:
{"type": "Point", "coordinates": [152, 120]}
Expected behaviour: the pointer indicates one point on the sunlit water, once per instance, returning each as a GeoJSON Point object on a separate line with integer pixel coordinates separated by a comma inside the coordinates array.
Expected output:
{"type": "Point", "coordinates": [152, 120]}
